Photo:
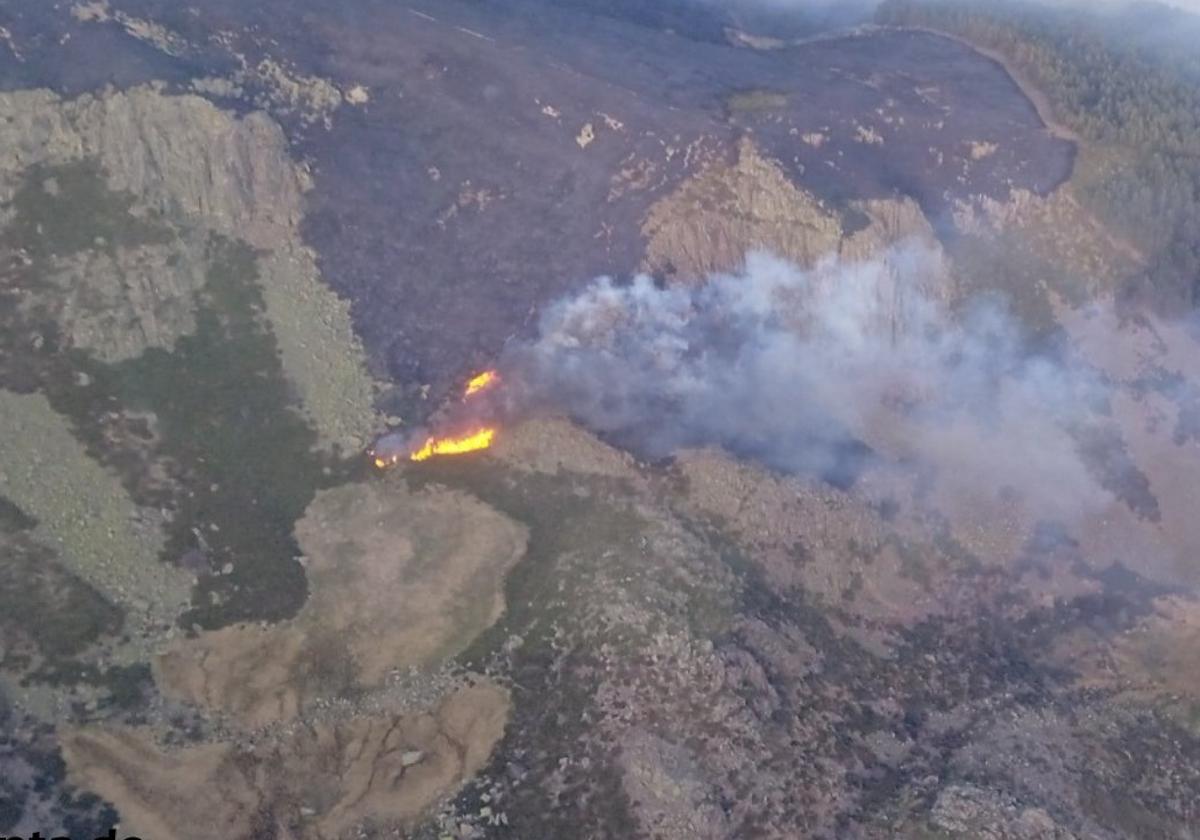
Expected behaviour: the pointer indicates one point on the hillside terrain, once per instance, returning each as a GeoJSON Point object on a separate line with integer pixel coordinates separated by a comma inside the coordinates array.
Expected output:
{"type": "Point", "coordinates": [240, 242]}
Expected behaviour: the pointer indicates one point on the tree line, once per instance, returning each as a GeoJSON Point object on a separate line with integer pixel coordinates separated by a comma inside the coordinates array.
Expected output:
{"type": "Point", "coordinates": [1127, 80]}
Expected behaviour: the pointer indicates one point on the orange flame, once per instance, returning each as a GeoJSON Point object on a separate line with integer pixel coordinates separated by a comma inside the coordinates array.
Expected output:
{"type": "Point", "coordinates": [481, 439]}
{"type": "Point", "coordinates": [480, 381]}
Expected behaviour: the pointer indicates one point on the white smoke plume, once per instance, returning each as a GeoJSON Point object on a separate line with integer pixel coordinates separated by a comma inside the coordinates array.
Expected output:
{"type": "Point", "coordinates": [806, 371]}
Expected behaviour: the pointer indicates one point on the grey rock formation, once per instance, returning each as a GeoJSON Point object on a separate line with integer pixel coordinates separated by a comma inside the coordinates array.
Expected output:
{"type": "Point", "coordinates": [206, 170]}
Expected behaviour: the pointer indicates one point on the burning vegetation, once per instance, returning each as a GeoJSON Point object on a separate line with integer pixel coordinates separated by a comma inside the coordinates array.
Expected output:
{"type": "Point", "coordinates": [481, 439]}
{"type": "Point", "coordinates": [389, 450]}
{"type": "Point", "coordinates": [481, 382]}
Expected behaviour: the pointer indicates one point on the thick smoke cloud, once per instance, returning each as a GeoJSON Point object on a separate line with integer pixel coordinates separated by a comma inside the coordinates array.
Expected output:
{"type": "Point", "coordinates": [802, 370]}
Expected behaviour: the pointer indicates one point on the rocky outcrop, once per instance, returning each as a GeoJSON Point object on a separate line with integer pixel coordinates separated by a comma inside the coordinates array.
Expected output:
{"type": "Point", "coordinates": [890, 220]}
{"type": "Point", "coordinates": [709, 222]}
{"type": "Point", "coordinates": [179, 155]}
{"type": "Point", "coordinates": [202, 169]}
{"type": "Point", "coordinates": [274, 84]}
{"type": "Point", "coordinates": [714, 219]}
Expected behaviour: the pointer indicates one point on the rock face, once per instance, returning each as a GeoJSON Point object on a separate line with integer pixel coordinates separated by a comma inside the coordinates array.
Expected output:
{"type": "Point", "coordinates": [709, 222]}
{"type": "Point", "coordinates": [321, 782]}
{"type": "Point", "coordinates": [180, 155]}
{"type": "Point", "coordinates": [194, 167]}
{"type": "Point", "coordinates": [888, 221]}
{"type": "Point", "coordinates": [397, 579]}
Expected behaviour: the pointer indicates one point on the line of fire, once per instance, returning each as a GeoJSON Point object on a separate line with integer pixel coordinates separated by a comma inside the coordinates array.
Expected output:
{"type": "Point", "coordinates": [393, 448]}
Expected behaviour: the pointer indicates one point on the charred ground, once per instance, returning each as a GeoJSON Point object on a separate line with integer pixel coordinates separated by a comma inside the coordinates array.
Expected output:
{"type": "Point", "coordinates": [694, 648]}
{"type": "Point", "coordinates": [483, 177]}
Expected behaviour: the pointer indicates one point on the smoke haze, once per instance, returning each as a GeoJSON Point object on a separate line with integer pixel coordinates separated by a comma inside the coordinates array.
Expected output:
{"type": "Point", "coordinates": [865, 6]}
{"type": "Point", "coordinates": [802, 370]}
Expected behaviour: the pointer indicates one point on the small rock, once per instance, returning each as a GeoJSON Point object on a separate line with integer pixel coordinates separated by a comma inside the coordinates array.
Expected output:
{"type": "Point", "coordinates": [411, 757]}
{"type": "Point", "coordinates": [227, 569]}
